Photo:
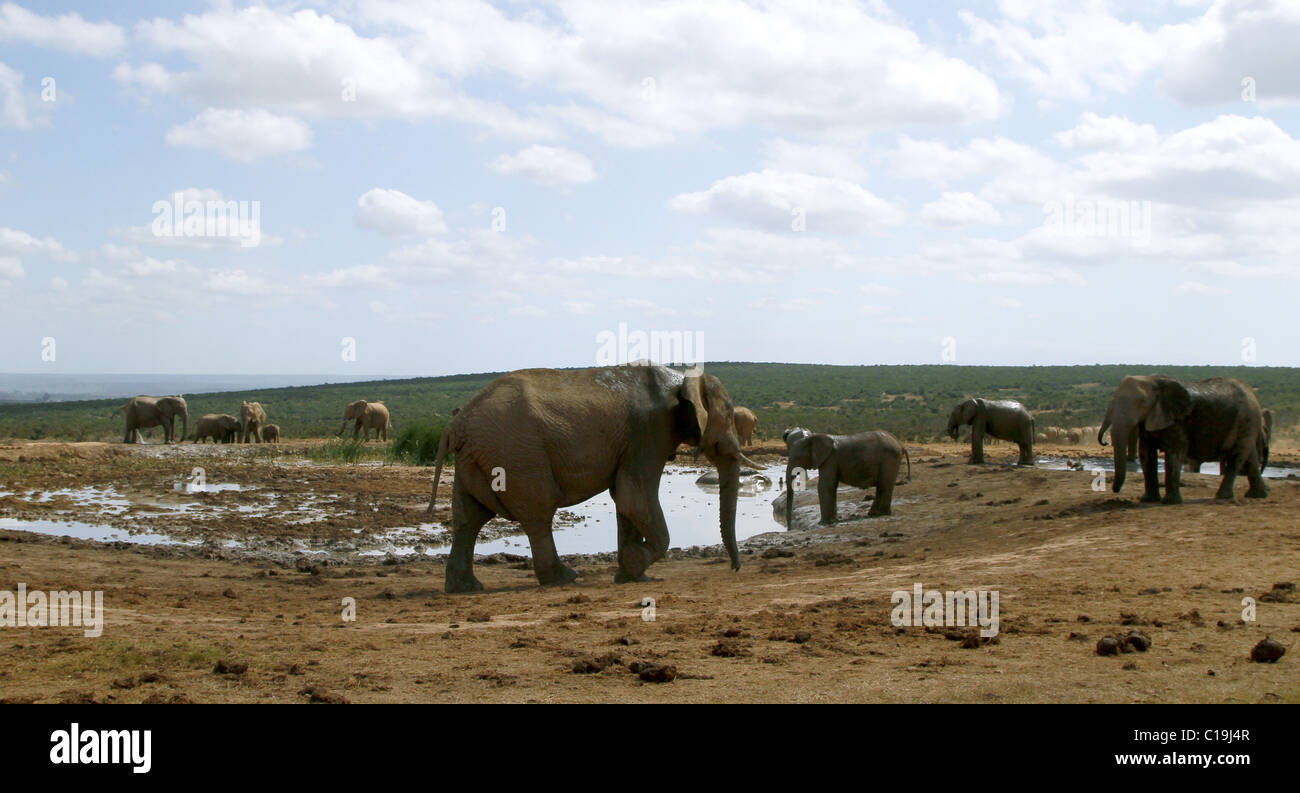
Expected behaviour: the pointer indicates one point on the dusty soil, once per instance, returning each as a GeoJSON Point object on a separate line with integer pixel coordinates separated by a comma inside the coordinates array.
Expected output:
{"type": "Point", "coordinates": [807, 618]}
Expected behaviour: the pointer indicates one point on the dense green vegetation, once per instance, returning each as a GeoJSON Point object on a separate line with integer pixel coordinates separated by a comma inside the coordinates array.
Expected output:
{"type": "Point", "coordinates": [911, 401]}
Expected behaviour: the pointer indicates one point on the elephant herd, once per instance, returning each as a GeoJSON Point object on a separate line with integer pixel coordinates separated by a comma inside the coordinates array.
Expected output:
{"type": "Point", "coordinates": [145, 412]}
{"type": "Point", "coordinates": [538, 440]}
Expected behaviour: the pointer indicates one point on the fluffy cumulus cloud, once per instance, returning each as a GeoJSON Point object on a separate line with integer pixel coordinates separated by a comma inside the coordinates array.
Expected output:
{"type": "Point", "coordinates": [630, 74]}
{"type": "Point", "coordinates": [960, 209]}
{"type": "Point", "coordinates": [67, 32]}
{"type": "Point", "coordinates": [775, 200]}
{"type": "Point", "coordinates": [243, 135]}
{"type": "Point", "coordinates": [396, 214]}
{"type": "Point", "coordinates": [546, 165]}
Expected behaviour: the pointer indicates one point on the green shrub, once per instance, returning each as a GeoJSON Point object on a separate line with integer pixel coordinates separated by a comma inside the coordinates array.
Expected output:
{"type": "Point", "coordinates": [417, 445]}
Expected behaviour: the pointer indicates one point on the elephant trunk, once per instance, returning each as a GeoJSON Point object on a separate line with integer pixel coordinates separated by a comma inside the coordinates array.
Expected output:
{"type": "Point", "coordinates": [1119, 433]}
{"type": "Point", "coordinates": [728, 492]}
{"type": "Point", "coordinates": [789, 497]}
{"type": "Point", "coordinates": [185, 424]}
{"type": "Point", "coordinates": [343, 426]}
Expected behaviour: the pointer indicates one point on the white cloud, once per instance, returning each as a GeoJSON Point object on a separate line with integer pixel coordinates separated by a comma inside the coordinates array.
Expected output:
{"type": "Point", "coordinates": [67, 32]}
{"type": "Point", "coordinates": [546, 165]}
{"type": "Point", "coordinates": [633, 74]}
{"type": "Point", "coordinates": [1110, 132]}
{"type": "Point", "coordinates": [13, 104]}
{"type": "Point", "coordinates": [960, 209]}
{"type": "Point", "coordinates": [878, 290]}
{"type": "Point", "coordinates": [20, 243]}
{"type": "Point", "coordinates": [1235, 39]}
{"type": "Point", "coordinates": [395, 213]}
{"type": "Point", "coordinates": [774, 200]}
{"type": "Point", "coordinates": [10, 269]}
{"type": "Point", "coordinates": [242, 135]}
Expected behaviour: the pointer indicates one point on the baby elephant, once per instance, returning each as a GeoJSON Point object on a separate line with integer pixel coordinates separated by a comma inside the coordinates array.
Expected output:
{"type": "Point", "coordinates": [271, 433]}
{"type": "Point", "coordinates": [223, 428]}
{"type": "Point", "coordinates": [863, 460]}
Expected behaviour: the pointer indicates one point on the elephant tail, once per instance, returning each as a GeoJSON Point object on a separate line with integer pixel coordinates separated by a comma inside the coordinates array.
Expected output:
{"type": "Point", "coordinates": [443, 444]}
{"type": "Point", "coordinates": [909, 468]}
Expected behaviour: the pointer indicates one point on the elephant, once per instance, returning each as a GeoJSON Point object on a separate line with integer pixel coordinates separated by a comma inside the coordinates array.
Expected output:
{"type": "Point", "coordinates": [271, 433]}
{"type": "Point", "coordinates": [251, 418]}
{"type": "Point", "coordinates": [536, 440]}
{"type": "Point", "coordinates": [863, 460]}
{"type": "Point", "coordinates": [367, 415]}
{"type": "Point", "coordinates": [1218, 419]}
{"type": "Point", "coordinates": [221, 428]}
{"type": "Point", "coordinates": [143, 412]}
{"type": "Point", "coordinates": [746, 422]}
{"type": "Point", "coordinates": [1265, 437]}
{"type": "Point", "coordinates": [1003, 419]}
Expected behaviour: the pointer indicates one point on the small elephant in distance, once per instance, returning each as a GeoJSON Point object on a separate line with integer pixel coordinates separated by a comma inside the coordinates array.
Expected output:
{"type": "Point", "coordinates": [143, 412]}
{"type": "Point", "coordinates": [368, 416]}
{"type": "Point", "coordinates": [1004, 419]}
{"type": "Point", "coordinates": [221, 428]}
{"type": "Point", "coordinates": [251, 418]}
{"type": "Point", "coordinates": [745, 422]}
{"type": "Point", "coordinates": [271, 433]}
{"type": "Point", "coordinates": [867, 459]}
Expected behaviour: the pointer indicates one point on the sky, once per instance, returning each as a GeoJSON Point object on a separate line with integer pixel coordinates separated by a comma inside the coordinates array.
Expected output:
{"type": "Point", "coordinates": [435, 188]}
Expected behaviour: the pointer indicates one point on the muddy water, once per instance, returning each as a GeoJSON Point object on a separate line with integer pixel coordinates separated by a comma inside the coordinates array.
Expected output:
{"type": "Point", "coordinates": [1108, 464]}
{"type": "Point", "coordinates": [690, 509]}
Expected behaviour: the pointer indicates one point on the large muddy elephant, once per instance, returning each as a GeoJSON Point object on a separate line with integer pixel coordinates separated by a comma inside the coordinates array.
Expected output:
{"type": "Point", "coordinates": [867, 459]}
{"type": "Point", "coordinates": [746, 421]}
{"type": "Point", "coordinates": [1265, 438]}
{"type": "Point", "coordinates": [1003, 419]}
{"type": "Point", "coordinates": [251, 418]}
{"type": "Point", "coordinates": [220, 427]}
{"type": "Point", "coordinates": [143, 412]}
{"type": "Point", "coordinates": [537, 440]}
{"type": "Point", "coordinates": [1210, 420]}
{"type": "Point", "coordinates": [368, 416]}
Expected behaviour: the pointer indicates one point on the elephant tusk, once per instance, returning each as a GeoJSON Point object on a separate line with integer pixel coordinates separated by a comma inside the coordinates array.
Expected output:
{"type": "Point", "coordinates": [749, 462]}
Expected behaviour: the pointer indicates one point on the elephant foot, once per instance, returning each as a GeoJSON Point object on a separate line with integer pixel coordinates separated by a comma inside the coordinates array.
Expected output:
{"type": "Point", "coordinates": [1260, 492]}
{"type": "Point", "coordinates": [1174, 498]}
{"type": "Point", "coordinates": [1149, 498]}
{"type": "Point", "coordinates": [462, 582]}
{"type": "Point", "coordinates": [558, 576]}
{"type": "Point", "coordinates": [621, 577]}
{"type": "Point", "coordinates": [873, 513]}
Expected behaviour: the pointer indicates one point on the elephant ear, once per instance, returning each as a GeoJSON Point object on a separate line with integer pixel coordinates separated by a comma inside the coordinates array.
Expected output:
{"type": "Point", "coordinates": [981, 408]}
{"type": "Point", "coordinates": [821, 446]}
{"type": "Point", "coordinates": [1172, 403]}
{"type": "Point", "coordinates": [713, 414]}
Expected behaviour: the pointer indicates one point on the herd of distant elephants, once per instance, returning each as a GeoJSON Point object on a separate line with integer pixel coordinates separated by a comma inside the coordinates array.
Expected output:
{"type": "Point", "coordinates": [250, 426]}
{"type": "Point", "coordinates": [557, 437]}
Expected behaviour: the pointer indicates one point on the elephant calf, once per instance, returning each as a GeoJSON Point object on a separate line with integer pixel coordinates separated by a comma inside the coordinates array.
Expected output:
{"type": "Point", "coordinates": [271, 433]}
{"type": "Point", "coordinates": [221, 428]}
{"type": "Point", "coordinates": [867, 459]}
{"type": "Point", "coordinates": [1002, 419]}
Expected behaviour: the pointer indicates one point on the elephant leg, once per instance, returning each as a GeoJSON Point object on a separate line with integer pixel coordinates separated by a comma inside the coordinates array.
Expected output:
{"type": "Point", "coordinates": [977, 444]}
{"type": "Point", "coordinates": [1256, 477]}
{"type": "Point", "coordinates": [642, 530]}
{"type": "Point", "coordinates": [546, 561]}
{"type": "Point", "coordinates": [467, 517]}
{"type": "Point", "coordinates": [1173, 477]}
{"type": "Point", "coordinates": [1150, 454]}
{"type": "Point", "coordinates": [828, 496]}
{"type": "Point", "coordinates": [883, 505]}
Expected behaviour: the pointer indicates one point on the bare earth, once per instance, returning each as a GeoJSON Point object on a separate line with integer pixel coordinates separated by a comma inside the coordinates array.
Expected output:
{"type": "Point", "coordinates": [806, 619]}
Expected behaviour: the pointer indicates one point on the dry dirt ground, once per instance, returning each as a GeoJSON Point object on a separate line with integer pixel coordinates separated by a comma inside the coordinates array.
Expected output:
{"type": "Point", "coordinates": [806, 619]}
